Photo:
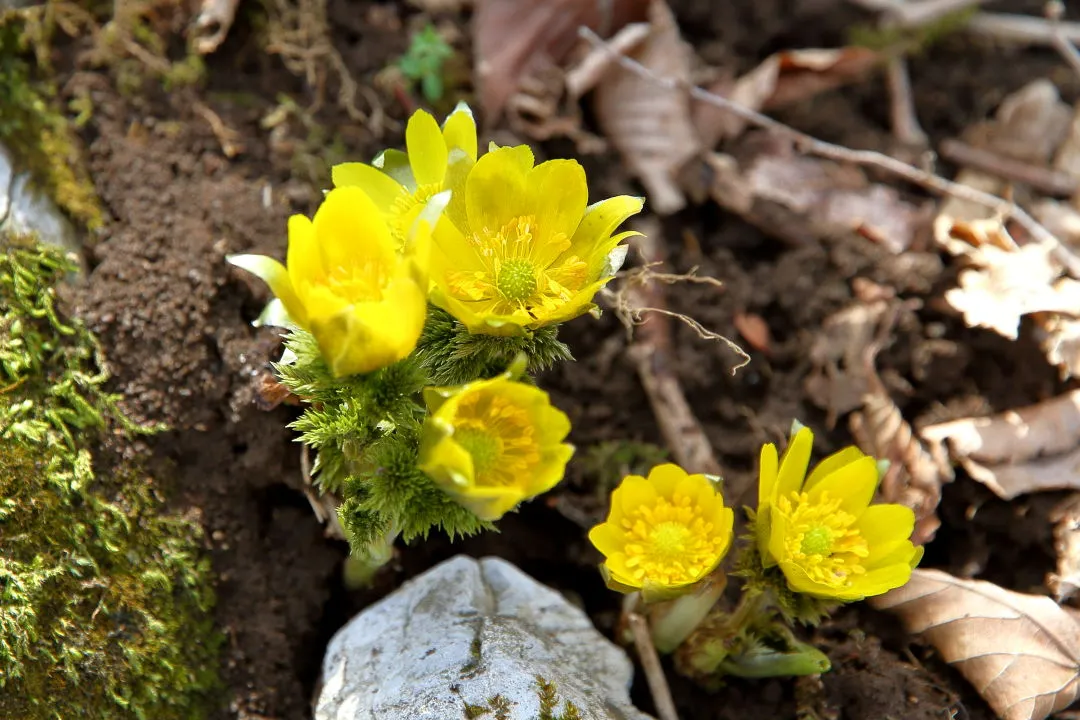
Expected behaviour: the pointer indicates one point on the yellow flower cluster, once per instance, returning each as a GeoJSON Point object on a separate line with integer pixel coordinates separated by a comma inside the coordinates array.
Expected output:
{"type": "Point", "coordinates": [504, 245]}
{"type": "Point", "coordinates": [667, 532]}
{"type": "Point", "coordinates": [822, 530]}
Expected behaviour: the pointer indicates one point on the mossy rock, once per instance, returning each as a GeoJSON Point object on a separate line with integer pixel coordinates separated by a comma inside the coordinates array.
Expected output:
{"type": "Point", "coordinates": [105, 599]}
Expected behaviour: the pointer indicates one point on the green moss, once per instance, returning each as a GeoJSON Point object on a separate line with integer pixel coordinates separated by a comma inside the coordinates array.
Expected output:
{"type": "Point", "coordinates": [549, 703]}
{"type": "Point", "coordinates": [31, 124]}
{"type": "Point", "coordinates": [104, 599]}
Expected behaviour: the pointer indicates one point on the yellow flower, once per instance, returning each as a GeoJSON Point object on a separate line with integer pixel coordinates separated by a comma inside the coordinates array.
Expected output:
{"type": "Point", "coordinates": [435, 160]}
{"type": "Point", "coordinates": [821, 529]}
{"type": "Point", "coordinates": [664, 532]}
{"type": "Point", "coordinates": [347, 284]}
{"type": "Point", "coordinates": [492, 444]}
{"type": "Point", "coordinates": [523, 250]}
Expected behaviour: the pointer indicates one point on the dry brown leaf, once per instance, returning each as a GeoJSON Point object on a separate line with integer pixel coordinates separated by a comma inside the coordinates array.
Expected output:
{"type": "Point", "coordinates": [513, 39]}
{"type": "Point", "coordinates": [1066, 518]}
{"type": "Point", "coordinates": [754, 329]}
{"type": "Point", "coordinates": [650, 124]}
{"type": "Point", "coordinates": [802, 198]}
{"type": "Point", "coordinates": [1060, 340]}
{"type": "Point", "coordinates": [839, 381]}
{"type": "Point", "coordinates": [1021, 652]}
{"type": "Point", "coordinates": [1020, 451]}
{"type": "Point", "coordinates": [1005, 282]}
{"type": "Point", "coordinates": [1067, 157]}
{"type": "Point", "coordinates": [914, 477]}
{"type": "Point", "coordinates": [780, 80]}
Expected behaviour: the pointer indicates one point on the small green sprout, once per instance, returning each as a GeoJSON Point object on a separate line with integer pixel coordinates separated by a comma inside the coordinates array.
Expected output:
{"type": "Point", "coordinates": [424, 61]}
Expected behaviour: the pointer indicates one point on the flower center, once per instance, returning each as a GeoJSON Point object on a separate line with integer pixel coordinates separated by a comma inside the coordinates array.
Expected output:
{"type": "Point", "coordinates": [517, 280]}
{"type": "Point", "coordinates": [500, 437]}
{"type": "Point", "coordinates": [817, 541]}
{"type": "Point", "coordinates": [518, 274]}
{"type": "Point", "coordinates": [669, 543]}
{"type": "Point", "coordinates": [481, 445]}
{"type": "Point", "coordinates": [822, 539]}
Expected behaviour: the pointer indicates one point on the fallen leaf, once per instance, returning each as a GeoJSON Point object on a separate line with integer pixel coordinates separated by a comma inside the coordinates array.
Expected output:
{"type": "Point", "coordinates": [1005, 286]}
{"type": "Point", "coordinates": [650, 124]}
{"type": "Point", "coordinates": [802, 198]}
{"type": "Point", "coordinates": [1020, 451]}
{"type": "Point", "coordinates": [782, 79]}
{"type": "Point", "coordinates": [1021, 652]}
{"type": "Point", "coordinates": [1066, 518]}
{"type": "Point", "coordinates": [839, 380]}
{"type": "Point", "coordinates": [513, 39]}
{"type": "Point", "coordinates": [1060, 340]}
{"type": "Point", "coordinates": [754, 329]}
{"type": "Point", "coordinates": [915, 476]}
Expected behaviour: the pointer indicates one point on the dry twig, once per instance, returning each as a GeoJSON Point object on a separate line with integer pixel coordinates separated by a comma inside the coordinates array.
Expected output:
{"type": "Point", "coordinates": [1055, 10]}
{"type": "Point", "coordinates": [1023, 28]}
{"type": "Point", "coordinates": [650, 663]}
{"type": "Point", "coordinates": [905, 123]}
{"type": "Point", "coordinates": [1043, 179]}
{"type": "Point", "coordinates": [866, 158]}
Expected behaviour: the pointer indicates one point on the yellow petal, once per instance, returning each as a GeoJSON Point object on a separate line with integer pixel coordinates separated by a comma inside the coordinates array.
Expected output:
{"type": "Point", "coordinates": [620, 572]}
{"type": "Point", "coordinates": [446, 462]}
{"type": "Point", "coordinates": [897, 553]}
{"type": "Point", "coordinates": [426, 148]}
{"type": "Point", "coordinates": [598, 223]}
{"type": "Point", "coordinates": [276, 277]}
{"type": "Point", "coordinates": [793, 464]}
{"type": "Point", "coordinates": [778, 532]}
{"type": "Point", "coordinates": [879, 581]}
{"type": "Point", "coordinates": [496, 191]}
{"type": "Point", "coordinates": [608, 538]}
{"type": "Point", "coordinates": [799, 581]}
{"type": "Point", "coordinates": [379, 186]}
{"type": "Point", "coordinates": [883, 526]}
{"type": "Point", "coordinates": [459, 130]}
{"type": "Point", "coordinates": [854, 483]}
{"type": "Point", "coordinates": [632, 492]}
{"type": "Point", "coordinates": [558, 196]}
{"type": "Point", "coordinates": [367, 336]}
{"type": "Point", "coordinates": [666, 478]}
{"type": "Point", "coordinates": [552, 469]}
{"type": "Point", "coordinates": [489, 503]}
{"type": "Point", "coordinates": [350, 230]}
{"type": "Point", "coordinates": [303, 258]}
{"type": "Point", "coordinates": [767, 473]}
{"type": "Point", "coordinates": [833, 463]}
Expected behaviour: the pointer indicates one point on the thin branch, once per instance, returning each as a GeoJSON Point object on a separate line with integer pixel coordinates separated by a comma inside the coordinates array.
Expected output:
{"type": "Point", "coordinates": [1022, 28]}
{"type": "Point", "coordinates": [1045, 180]}
{"type": "Point", "coordinates": [1055, 10]}
{"type": "Point", "coordinates": [866, 158]}
{"type": "Point", "coordinates": [905, 122]}
{"type": "Point", "coordinates": [650, 663]}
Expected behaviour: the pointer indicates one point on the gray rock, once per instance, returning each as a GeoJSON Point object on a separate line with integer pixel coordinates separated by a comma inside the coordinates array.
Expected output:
{"type": "Point", "coordinates": [472, 633]}
{"type": "Point", "coordinates": [24, 208]}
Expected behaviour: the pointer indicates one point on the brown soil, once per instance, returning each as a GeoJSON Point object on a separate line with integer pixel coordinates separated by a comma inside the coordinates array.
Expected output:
{"type": "Point", "coordinates": [175, 321]}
